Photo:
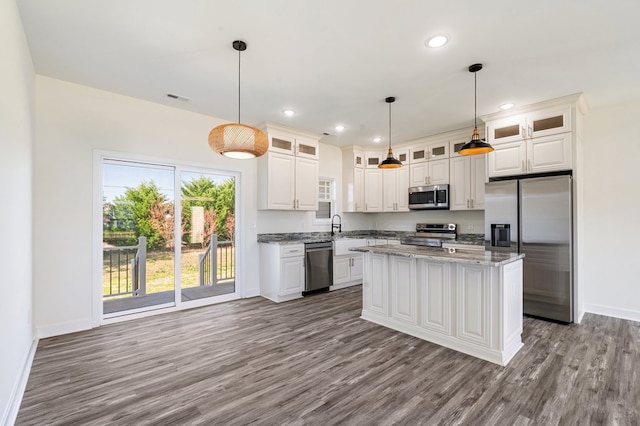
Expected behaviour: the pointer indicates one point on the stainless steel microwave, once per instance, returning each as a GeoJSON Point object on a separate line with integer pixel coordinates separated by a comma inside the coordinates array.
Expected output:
{"type": "Point", "coordinates": [429, 197]}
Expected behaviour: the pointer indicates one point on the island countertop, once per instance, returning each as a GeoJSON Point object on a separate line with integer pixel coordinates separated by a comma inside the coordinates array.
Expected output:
{"type": "Point", "coordinates": [487, 258]}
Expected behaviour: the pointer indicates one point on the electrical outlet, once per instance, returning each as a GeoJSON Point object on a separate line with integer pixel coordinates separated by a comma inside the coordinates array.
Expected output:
{"type": "Point", "coordinates": [469, 226]}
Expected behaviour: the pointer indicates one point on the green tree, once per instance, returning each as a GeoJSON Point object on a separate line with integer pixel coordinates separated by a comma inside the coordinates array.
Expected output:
{"type": "Point", "coordinates": [218, 201]}
{"type": "Point", "coordinates": [133, 210]}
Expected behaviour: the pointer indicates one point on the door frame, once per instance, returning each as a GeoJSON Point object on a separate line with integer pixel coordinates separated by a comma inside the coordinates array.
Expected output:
{"type": "Point", "coordinates": [99, 156]}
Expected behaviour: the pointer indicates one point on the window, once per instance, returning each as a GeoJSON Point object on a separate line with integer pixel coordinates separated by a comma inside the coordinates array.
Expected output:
{"type": "Point", "coordinates": [326, 200]}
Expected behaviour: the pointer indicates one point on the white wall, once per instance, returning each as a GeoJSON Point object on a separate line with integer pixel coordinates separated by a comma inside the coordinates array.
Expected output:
{"type": "Point", "coordinates": [72, 122]}
{"type": "Point", "coordinates": [611, 237]}
{"type": "Point", "coordinates": [16, 152]}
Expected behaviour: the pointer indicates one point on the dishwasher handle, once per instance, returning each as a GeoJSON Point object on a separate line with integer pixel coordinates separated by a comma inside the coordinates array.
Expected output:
{"type": "Point", "coordinates": [311, 250]}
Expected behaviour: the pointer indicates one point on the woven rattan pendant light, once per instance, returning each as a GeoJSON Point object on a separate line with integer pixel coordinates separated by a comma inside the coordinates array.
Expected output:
{"type": "Point", "coordinates": [475, 145]}
{"type": "Point", "coordinates": [236, 140]}
{"type": "Point", "coordinates": [390, 162]}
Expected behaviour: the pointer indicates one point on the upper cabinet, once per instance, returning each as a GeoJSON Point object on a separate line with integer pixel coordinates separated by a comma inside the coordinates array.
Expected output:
{"type": "Point", "coordinates": [534, 139]}
{"type": "Point", "coordinates": [427, 149]}
{"type": "Point", "coordinates": [288, 172]}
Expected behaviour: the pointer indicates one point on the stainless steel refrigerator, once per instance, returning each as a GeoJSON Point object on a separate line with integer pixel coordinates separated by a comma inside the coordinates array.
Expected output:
{"type": "Point", "coordinates": [534, 216]}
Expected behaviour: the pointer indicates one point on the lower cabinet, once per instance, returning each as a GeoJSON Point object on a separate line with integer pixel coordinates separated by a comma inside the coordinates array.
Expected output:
{"type": "Point", "coordinates": [347, 270]}
{"type": "Point", "coordinates": [281, 271]}
{"type": "Point", "coordinates": [375, 290]}
{"type": "Point", "coordinates": [468, 307]}
{"type": "Point", "coordinates": [434, 285]}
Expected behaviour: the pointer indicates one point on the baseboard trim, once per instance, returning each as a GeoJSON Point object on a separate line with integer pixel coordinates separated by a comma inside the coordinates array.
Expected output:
{"type": "Point", "coordinates": [64, 328]}
{"type": "Point", "coordinates": [611, 311]}
{"type": "Point", "coordinates": [21, 385]}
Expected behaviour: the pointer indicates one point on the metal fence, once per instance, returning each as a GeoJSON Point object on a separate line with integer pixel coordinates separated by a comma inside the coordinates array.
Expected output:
{"type": "Point", "coordinates": [126, 269]}
{"type": "Point", "coordinates": [219, 256]}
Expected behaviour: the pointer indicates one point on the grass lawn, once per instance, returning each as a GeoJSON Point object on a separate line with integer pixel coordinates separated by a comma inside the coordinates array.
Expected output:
{"type": "Point", "coordinates": [160, 273]}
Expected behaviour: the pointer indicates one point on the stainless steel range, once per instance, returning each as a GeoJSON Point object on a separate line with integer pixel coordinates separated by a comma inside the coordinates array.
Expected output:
{"type": "Point", "coordinates": [431, 234]}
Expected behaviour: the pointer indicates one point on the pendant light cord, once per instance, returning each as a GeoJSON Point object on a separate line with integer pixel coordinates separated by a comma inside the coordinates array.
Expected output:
{"type": "Point", "coordinates": [239, 51]}
{"type": "Point", "coordinates": [475, 99]}
{"type": "Point", "coordinates": [389, 125]}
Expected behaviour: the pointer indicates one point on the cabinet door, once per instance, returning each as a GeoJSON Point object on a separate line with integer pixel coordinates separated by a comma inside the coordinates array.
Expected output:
{"type": "Point", "coordinates": [291, 275]}
{"type": "Point", "coordinates": [402, 155]}
{"type": "Point", "coordinates": [549, 123]}
{"type": "Point", "coordinates": [389, 188]}
{"type": "Point", "coordinates": [358, 189]}
{"type": "Point", "coordinates": [341, 269]}
{"type": "Point", "coordinates": [373, 158]}
{"type": "Point", "coordinates": [549, 153]}
{"type": "Point", "coordinates": [478, 179]}
{"type": "Point", "coordinates": [508, 159]}
{"type": "Point", "coordinates": [438, 172]}
{"type": "Point", "coordinates": [474, 298]}
{"type": "Point", "coordinates": [281, 143]}
{"type": "Point", "coordinates": [418, 174]}
{"type": "Point", "coordinates": [307, 148]}
{"type": "Point", "coordinates": [418, 154]}
{"type": "Point", "coordinates": [375, 287]}
{"type": "Point", "coordinates": [306, 183]}
{"type": "Point", "coordinates": [438, 150]}
{"type": "Point", "coordinates": [281, 181]}
{"type": "Point", "coordinates": [460, 185]}
{"type": "Point", "coordinates": [403, 289]}
{"type": "Point", "coordinates": [358, 158]}
{"type": "Point", "coordinates": [435, 295]}
{"type": "Point", "coordinates": [373, 190]}
{"type": "Point", "coordinates": [506, 130]}
{"type": "Point", "coordinates": [357, 267]}
{"type": "Point", "coordinates": [402, 189]}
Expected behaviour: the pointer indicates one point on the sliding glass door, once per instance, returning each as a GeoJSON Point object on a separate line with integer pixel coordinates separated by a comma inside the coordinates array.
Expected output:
{"type": "Point", "coordinates": [158, 253]}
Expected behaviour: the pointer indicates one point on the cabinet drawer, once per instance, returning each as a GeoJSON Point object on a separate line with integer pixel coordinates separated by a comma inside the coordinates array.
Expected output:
{"type": "Point", "coordinates": [292, 250]}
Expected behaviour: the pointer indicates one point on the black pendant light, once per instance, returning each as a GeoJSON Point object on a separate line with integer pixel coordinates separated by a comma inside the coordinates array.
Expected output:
{"type": "Point", "coordinates": [390, 162]}
{"type": "Point", "coordinates": [475, 145]}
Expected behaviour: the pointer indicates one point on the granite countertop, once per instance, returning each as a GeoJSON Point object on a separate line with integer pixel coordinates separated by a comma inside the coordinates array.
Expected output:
{"type": "Point", "coordinates": [318, 237]}
{"type": "Point", "coordinates": [487, 258]}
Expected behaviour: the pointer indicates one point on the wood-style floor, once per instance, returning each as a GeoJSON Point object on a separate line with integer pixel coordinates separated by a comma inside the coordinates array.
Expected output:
{"type": "Point", "coordinates": [313, 361]}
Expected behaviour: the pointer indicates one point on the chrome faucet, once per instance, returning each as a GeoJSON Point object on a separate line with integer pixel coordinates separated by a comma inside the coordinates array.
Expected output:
{"type": "Point", "coordinates": [337, 226]}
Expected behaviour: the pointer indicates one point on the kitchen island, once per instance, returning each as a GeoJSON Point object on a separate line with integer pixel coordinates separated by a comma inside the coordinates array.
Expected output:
{"type": "Point", "coordinates": [466, 300]}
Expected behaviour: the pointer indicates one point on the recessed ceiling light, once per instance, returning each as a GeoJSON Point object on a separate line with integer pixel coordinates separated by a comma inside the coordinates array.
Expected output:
{"type": "Point", "coordinates": [437, 41]}
{"type": "Point", "coordinates": [508, 105]}
{"type": "Point", "coordinates": [289, 112]}
{"type": "Point", "coordinates": [377, 139]}
{"type": "Point", "coordinates": [339, 128]}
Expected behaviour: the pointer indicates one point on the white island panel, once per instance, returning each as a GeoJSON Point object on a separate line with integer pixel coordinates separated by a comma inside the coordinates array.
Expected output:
{"type": "Point", "coordinates": [470, 305]}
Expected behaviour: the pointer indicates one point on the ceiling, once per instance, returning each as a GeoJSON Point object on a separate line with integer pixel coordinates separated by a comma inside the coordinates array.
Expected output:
{"type": "Point", "coordinates": [335, 61]}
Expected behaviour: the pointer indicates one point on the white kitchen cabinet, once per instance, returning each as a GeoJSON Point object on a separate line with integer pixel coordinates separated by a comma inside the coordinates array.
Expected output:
{"type": "Point", "coordinates": [352, 180]}
{"type": "Point", "coordinates": [434, 285]}
{"type": "Point", "coordinates": [282, 275]}
{"type": "Point", "coordinates": [395, 189]}
{"type": "Point", "coordinates": [375, 291]}
{"type": "Point", "coordinates": [530, 125]}
{"type": "Point", "coordinates": [542, 154]}
{"type": "Point", "coordinates": [474, 298]}
{"type": "Point", "coordinates": [347, 265]}
{"type": "Point", "coordinates": [403, 288]}
{"type": "Point", "coordinates": [467, 179]}
{"type": "Point", "coordinates": [429, 173]}
{"type": "Point", "coordinates": [428, 149]}
{"type": "Point", "coordinates": [372, 190]}
{"type": "Point", "coordinates": [288, 172]}
{"type": "Point", "coordinates": [373, 158]}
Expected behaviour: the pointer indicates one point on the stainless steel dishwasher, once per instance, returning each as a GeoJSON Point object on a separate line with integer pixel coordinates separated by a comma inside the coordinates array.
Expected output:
{"type": "Point", "coordinates": [318, 266]}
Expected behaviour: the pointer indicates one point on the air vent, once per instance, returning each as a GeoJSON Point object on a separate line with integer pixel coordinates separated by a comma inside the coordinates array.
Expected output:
{"type": "Point", "coordinates": [177, 97]}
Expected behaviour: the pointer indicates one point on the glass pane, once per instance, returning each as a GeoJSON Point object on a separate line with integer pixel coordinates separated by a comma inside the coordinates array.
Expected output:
{"type": "Point", "coordinates": [402, 157]}
{"type": "Point", "coordinates": [417, 155]}
{"type": "Point", "coordinates": [207, 258]}
{"type": "Point", "coordinates": [373, 161]}
{"type": "Point", "coordinates": [457, 147]}
{"type": "Point", "coordinates": [548, 123]}
{"type": "Point", "coordinates": [282, 144]}
{"type": "Point", "coordinates": [138, 237]}
{"type": "Point", "coordinates": [307, 149]}
{"type": "Point", "coordinates": [505, 132]}
{"type": "Point", "coordinates": [439, 150]}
